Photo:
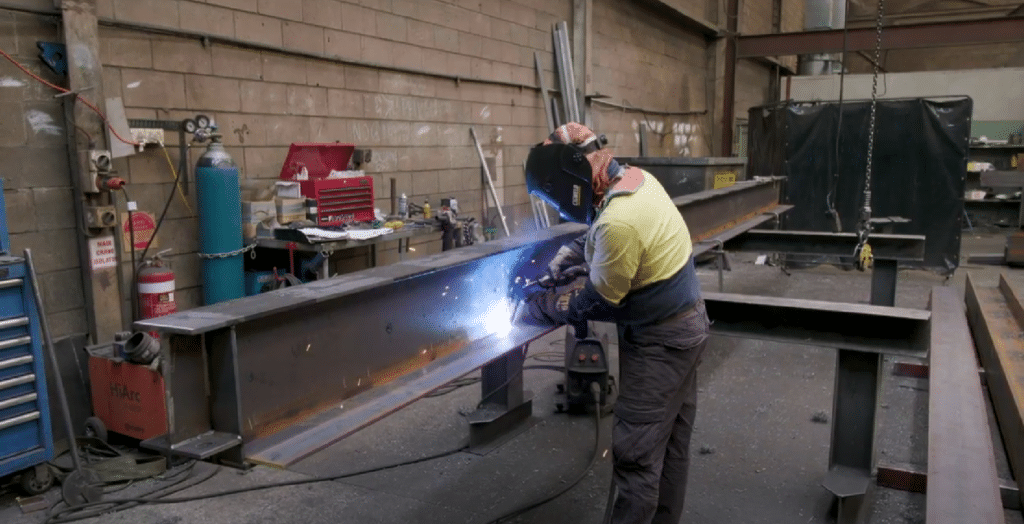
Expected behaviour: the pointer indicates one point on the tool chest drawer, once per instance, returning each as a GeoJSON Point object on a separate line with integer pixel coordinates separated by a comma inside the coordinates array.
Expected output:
{"type": "Point", "coordinates": [25, 437]}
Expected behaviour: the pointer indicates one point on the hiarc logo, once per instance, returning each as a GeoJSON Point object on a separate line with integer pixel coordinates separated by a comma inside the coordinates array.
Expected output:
{"type": "Point", "coordinates": [123, 392]}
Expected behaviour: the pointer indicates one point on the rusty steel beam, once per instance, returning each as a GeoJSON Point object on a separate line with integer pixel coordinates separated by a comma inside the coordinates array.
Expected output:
{"type": "Point", "coordinates": [992, 313]}
{"type": "Point", "coordinates": [939, 34]}
{"type": "Point", "coordinates": [962, 482]}
{"type": "Point", "coordinates": [709, 213]}
{"type": "Point", "coordinates": [272, 378]}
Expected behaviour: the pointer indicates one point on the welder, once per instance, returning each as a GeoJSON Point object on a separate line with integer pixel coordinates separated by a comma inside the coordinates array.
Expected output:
{"type": "Point", "coordinates": [641, 276]}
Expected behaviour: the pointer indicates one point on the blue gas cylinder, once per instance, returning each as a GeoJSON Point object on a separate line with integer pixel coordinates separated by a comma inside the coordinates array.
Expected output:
{"type": "Point", "coordinates": [220, 224]}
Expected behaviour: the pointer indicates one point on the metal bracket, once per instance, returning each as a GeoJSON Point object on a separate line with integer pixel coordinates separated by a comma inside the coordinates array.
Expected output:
{"type": "Point", "coordinates": [54, 55]}
{"type": "Point", "coordinates": [504, 406]}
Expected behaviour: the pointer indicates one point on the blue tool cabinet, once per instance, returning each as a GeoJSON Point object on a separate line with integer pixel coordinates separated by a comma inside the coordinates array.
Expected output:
{"type": "Point", "coordinates": [25, 437]}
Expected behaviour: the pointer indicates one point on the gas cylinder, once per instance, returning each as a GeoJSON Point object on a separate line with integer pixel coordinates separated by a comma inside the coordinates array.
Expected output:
{"type": "Point", "coordinates": [156, 290]}
{"type": "Point", "coordinates": [220, 224]}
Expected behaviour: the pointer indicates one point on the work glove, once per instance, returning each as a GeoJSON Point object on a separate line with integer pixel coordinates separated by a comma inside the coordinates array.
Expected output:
{"type": "Point", "coordinates": [551, 306]}
{"type": "Point", "coordinates": [569, 255]}
{"type": "Point", "coordinates": [565, 277]}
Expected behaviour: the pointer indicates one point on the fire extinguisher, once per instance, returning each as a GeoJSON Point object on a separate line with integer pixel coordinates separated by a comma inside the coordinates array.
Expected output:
{"type": "Point", "coordinates": [156, 288]}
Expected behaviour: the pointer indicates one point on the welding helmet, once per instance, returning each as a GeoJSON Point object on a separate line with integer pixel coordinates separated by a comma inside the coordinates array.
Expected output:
{"type": "Point", "coordinates": [560, 171]}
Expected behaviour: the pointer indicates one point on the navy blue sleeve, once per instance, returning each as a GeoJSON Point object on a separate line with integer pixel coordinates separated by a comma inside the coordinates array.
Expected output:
{"type": "Point", "coordinates": [588, 304]}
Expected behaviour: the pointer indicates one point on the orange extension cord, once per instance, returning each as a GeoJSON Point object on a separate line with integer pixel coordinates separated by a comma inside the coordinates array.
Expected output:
{"type": "Point", "coordinates": [63, 90]}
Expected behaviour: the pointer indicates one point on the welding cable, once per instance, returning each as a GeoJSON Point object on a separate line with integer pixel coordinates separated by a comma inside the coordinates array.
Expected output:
{"type": "Point", "coordinates": [137, 265]}
{"type": "Point", "coordinates": [458, 384]}
{"type": "Point", "coordinates": [830, 198]}
{"type": "Point", "coordinates": [179, 481]}
{"type": "Point", "coordinates": [163, 214]}
{"type": "Point", "coordinates": [513, 377]}
{"type": "Point", "coordinates": [131, 238]}
{"type": "Point", "coordinates": [174, 176]}
{"type": "Point", "coordinates": [81, 98]}
{"type": "Point", "coordinates": [137, 501]}
{"type": "Point", "coordinates": [595, 389]}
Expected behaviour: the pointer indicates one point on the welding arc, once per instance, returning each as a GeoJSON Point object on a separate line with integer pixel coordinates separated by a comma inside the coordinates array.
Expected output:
{"type": "Point", "coordinates": [595, 389]}
{"type": "Point", "coordinates": [55, 518]}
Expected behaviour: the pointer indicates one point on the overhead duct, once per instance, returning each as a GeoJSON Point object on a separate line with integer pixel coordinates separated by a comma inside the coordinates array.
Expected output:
{"type": "Point", "coordinates": [822, 15]}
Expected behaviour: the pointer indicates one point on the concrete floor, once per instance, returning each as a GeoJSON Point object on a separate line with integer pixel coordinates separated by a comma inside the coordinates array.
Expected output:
{"type": "Point", "coordinates": [758, 457]}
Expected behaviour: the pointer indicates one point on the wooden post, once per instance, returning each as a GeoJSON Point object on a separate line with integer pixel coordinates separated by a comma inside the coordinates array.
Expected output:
{"type": "Point", "coordinates": [85, 76]}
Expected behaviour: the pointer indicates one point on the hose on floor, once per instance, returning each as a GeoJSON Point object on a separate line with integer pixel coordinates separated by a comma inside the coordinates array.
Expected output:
{"type": "Point", "coordinates": [595, 389]}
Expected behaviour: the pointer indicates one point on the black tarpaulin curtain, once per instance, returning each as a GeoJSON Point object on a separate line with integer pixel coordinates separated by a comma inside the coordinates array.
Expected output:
{"type": "Point", "coordinates": [918, 171]}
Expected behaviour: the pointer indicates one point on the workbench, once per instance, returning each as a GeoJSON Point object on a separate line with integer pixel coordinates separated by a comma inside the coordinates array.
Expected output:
{"type": "Point", "coordinates": [404, 236]}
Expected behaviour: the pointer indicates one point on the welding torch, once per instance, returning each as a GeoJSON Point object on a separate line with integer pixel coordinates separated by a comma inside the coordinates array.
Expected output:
{"type": "Point", "coordinates": [552, 279]}
{"type": "Point", "coordinates": [549, 280]}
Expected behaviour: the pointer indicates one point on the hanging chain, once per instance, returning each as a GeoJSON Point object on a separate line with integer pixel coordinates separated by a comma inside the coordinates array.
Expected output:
{"type": "Point", "coordinates": [229, 254]}
{"type": "Point", "coordinates": [863, 250]}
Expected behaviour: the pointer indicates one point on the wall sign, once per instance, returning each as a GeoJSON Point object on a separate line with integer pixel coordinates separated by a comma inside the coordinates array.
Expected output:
{"type": "Point", "coordinates": [102, 254]}
{"type": "Point", "coordinates": [725, 179]}
{"type": "Point", "coordinates": [144, 225]}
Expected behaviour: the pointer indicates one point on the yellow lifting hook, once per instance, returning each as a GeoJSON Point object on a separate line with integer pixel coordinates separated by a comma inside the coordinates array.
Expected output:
{"type": "Point", "coordinates": [866, 258]}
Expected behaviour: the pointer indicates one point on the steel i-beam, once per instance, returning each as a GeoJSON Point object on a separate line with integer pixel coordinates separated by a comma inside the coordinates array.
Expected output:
{"type": "Point", "coordinates": [289, 372]}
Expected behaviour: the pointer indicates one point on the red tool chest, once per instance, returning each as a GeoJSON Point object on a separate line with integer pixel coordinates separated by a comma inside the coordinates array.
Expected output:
{"type": "Point", "coordinates": [338, 200]}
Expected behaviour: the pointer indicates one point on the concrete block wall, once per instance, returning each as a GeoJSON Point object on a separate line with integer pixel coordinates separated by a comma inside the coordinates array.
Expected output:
{"type": "Point", "coordinates": [651, 64]}
{"type": "Point", "coordinates": [37, 183]}
{"type": "Point", "coordinates": [753, 77]}
{"type": "Point", "coordinates": [417, 124]}
{"type": "Point", "coordinates": [377, 73]}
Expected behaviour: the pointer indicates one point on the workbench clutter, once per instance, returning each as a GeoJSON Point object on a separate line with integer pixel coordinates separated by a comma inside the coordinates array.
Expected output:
{"type": "Point", "coordinates": [328, 175]}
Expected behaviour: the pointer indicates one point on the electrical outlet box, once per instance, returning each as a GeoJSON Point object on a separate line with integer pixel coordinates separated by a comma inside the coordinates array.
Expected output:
{"type": "Point", "coordinates": [100, 162]}
{"type": "Point", "coordinates": [100, 217]}
{"type": "Point", "coordinates": [144, 136]}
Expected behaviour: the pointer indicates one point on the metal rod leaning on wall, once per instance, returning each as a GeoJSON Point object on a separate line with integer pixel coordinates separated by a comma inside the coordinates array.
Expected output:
{"type": "Point", "coordinates": [544, 92]}
{"type": "Point", "coordinates": [51, 356]}
{"type": "Point", "coordinates": [490, 183]}
{"type": "Point", "coordinates": [563, 57]}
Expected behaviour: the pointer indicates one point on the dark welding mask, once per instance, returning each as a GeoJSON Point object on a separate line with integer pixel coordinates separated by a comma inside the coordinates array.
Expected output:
{"type": "Point", "coordinates": [561, 175]}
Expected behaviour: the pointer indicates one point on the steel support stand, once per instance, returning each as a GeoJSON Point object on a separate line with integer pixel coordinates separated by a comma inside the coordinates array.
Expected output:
{"type": "Point", "coordinates": [851, 456]}
{"type": "Point", "coordinates": [505, 407]}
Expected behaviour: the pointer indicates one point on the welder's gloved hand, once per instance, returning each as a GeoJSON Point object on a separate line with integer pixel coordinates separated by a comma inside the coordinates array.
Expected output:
{"type": "Point", "coordinates": [567, 256]}
{"type": "Point", "coordinates": [551, 306]}
{"type": "Point", "coordinates": [570, 274]}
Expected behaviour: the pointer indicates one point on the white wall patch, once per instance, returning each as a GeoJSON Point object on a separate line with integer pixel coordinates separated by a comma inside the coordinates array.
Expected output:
{"type": "Point", "coordinates": [43, 123]}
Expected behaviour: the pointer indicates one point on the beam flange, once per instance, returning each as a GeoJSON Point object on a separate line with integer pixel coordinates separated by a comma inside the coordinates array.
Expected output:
{"type": "Point", "coordinates": [997, 335]}
{"type": "Point", "coordinates": [962, 482]}
{"type": "Point", "coordinates": [887, 247]}
{"type": "Point", "coordinates": [872, 329]}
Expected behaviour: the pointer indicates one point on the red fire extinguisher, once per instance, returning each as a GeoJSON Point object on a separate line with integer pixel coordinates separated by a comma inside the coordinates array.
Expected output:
{"type": "Point", "coordinates": [156, 289]}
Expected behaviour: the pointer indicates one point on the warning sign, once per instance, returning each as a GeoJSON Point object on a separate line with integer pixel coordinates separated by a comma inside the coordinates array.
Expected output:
{"type": "Point", "coordinates": [144, 225]}
{"type": "Point", "coordinates": [102, 254]}
{"type": "Point", "coordinates": [725, 179]}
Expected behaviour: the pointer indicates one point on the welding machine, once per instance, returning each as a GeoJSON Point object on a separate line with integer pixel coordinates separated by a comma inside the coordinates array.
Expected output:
{"type": "Point", "coordinates": [585, 361]}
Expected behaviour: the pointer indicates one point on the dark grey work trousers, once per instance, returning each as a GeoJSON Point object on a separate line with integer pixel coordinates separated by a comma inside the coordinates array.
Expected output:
{"type": "Point", "coordinates": [654, 416]}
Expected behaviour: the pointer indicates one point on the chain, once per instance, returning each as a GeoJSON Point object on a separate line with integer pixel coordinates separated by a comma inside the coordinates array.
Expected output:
{"type": "Point", "coordinates": [866, 213]}
{"type": "Point", "coordinates": [230, 254]}
{"type": "Point", "coordinates": [863, 252]}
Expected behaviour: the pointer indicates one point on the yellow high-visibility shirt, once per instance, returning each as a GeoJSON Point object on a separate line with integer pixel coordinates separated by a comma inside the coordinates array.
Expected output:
{"type": "Point", "coordinates": [638, 238]}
